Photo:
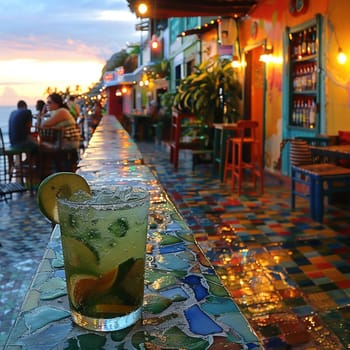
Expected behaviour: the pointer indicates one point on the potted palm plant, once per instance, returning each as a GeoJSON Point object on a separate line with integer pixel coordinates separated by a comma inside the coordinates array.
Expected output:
{"type": "Point", "coordinates": [212, 92]}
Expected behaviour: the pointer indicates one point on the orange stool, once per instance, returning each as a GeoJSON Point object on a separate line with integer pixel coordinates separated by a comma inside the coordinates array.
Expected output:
{"type": "Point", "coordinates": [245, 134]}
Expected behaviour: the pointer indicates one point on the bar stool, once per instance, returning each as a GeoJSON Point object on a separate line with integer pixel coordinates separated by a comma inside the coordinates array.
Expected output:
{"type": "Point", "coordinates": [21, 165]}
{"type": "Point", "coordinates": [245, 134]}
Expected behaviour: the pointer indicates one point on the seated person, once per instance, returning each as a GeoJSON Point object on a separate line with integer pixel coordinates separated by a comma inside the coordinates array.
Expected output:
{"type": "Point", "coordinates": [41, 110]}
{"type": "Point", "coordinates": [73, 107]}
{"type": "Point", "coordinates": [20, 123]}
{"type": "Point", "coordinates": [60, 117]}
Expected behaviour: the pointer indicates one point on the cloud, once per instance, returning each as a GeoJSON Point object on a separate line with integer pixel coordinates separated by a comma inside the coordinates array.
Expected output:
{"type": "Point", "coordinates": [101, 27]}
{"type": "Point", "coordinates": [8, 96]}
{"type": "Point", "coordinates": [59, 43]}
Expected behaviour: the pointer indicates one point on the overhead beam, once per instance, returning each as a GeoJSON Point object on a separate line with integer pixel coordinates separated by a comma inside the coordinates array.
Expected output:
{"type": "Point", "coordinates": [192, 8]}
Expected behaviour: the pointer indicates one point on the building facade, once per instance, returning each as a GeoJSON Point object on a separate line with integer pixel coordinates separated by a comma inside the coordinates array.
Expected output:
{"type": "Point", "coordinates": [287, 53]}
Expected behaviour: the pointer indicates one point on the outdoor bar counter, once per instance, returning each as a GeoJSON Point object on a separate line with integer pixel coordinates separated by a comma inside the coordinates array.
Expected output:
{"type": "Point", "coordinates": [185, 305]}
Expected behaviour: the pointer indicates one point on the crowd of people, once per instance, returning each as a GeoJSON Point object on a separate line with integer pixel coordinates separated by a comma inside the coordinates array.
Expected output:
{"type": "Point", "coordinates": [58, 124]}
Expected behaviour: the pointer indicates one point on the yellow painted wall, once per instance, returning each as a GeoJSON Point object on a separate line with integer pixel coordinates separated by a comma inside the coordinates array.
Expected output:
{"type": "Point", "coordinates": [268, 22]}
{"type": "Point", "coordinates": [337, 33]}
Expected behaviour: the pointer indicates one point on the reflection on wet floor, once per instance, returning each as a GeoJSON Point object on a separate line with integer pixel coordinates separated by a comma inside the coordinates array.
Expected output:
{"type": "Point", "coordinates": [288, 274]}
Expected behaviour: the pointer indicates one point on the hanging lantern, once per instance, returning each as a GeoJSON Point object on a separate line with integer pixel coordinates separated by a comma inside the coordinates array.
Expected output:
{"type": "Point", "coordinates": [155, 42]}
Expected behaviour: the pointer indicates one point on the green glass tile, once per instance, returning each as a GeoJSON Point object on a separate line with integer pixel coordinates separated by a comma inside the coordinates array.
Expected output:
{"type": "Point", "coordinates": [155, 303]}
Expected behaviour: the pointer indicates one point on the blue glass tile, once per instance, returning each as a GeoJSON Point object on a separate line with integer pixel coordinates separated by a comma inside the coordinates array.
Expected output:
{"type": "Point", "coordinates": [47, 338]}
{"type": "Point", "coordinates": [195, 282]}
{"type": "Point", "coordinates": [199, 322]}
{"type": "Point", "coordinates": [219, 306]}
{"type": "Point", "coordinates": [43, 315]}
{"type": "Point", "coordinates": [173, 248]}
{"type": "Point", "coordinates": [174, 293]}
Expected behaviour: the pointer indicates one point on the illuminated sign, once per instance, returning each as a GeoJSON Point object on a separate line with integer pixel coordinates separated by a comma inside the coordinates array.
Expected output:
{"type": "Point", "coordinates": [108, 76]}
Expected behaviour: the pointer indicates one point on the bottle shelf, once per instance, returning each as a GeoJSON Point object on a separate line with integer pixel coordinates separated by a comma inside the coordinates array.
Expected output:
{"type": "Point", "coordinates": [304, 78]}
{"type": "Point", "coordinates": [304, 59]}
{"type": "Point", "coordinates": [304, 92]}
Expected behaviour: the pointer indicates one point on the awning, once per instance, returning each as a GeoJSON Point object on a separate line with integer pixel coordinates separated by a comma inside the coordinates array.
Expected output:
{"type": "Point", "coordinates": [199, 30]}
{"type": "Point", "coordinates": [111, 78]}
{"type": "Point", "coordinates": [192, 8]}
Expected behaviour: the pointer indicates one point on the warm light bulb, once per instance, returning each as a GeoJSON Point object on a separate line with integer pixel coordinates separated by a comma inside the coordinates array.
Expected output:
{"type": "Point", "coordinates": [142, 8]}
{"type": "Point", "coordinates": [341, 56]}
{"type": "Point", "coordinates": [236, 62]}
{"type": "Point", "coordinates": [155, 45]}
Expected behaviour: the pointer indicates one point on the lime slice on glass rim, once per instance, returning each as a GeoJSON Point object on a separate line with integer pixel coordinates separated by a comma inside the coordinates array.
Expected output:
{"type": "Point", "coordinates": [63, 183]}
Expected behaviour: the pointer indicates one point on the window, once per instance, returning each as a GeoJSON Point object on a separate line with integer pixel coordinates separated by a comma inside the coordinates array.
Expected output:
{"type": "Point", "coordinates": [189, 67]}
{"type": "Point", "coordinates": [177, 75]}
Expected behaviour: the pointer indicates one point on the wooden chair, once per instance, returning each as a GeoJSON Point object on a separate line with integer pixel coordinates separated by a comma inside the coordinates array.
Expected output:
{"type": "Point", "coordinates": [7, 186]}
{"type": "Point", "coordinates": [53, 158]}
{"type": "Point", "coordinates": [237, 160]}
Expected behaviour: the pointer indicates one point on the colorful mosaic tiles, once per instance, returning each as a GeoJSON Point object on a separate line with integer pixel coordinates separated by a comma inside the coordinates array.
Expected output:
{"type": "Point", "coordinates": [186, 305]}
{"type": "Point", "coordinates": [289, 275]}
{"type": "Point", "coordinates": [305, 265]}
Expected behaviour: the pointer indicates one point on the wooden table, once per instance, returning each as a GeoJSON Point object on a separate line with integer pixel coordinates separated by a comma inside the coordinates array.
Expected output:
{"type": "Point", "coordinates": [315, 176]}
{"type": "Point", "coordinates": [185, 306]}
{"type": "Point", "coordinates": [221, 132]}
{"type": "Point", "coordinates": [140, 125]}
{"type": "Point", "coordinates": [333, 151]}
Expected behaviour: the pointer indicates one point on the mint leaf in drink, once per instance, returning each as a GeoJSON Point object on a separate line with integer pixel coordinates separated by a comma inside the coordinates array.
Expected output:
{"type": "Point", "coordinates": [120, 227]}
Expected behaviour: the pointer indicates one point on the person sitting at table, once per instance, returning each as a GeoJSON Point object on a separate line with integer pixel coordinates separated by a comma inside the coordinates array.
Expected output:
{"type": "Point", "coordinates": [60, 117]}
{"type": "Point", "coordinates": [59, 138]}
{"type": "Point", "coordinates": [20, 123]}
{"type": "Point", "coordinates": [41, 112]}
{"type": "Point", "coordinates": [73, 107]}
{"type": "Point", "coordinates": [22, 140]}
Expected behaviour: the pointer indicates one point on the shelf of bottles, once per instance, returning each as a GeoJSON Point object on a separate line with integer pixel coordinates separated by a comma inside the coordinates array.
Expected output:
{"type": "Point", "coordinates": [303, 46]}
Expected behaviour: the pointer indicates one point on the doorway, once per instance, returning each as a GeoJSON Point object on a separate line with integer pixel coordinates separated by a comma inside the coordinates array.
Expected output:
{"type": "Point", "coordinates": [254, 88]}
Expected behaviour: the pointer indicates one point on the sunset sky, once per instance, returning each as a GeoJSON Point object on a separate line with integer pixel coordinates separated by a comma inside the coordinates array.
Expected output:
{"type": "Point", "coordinates": [58, 44]}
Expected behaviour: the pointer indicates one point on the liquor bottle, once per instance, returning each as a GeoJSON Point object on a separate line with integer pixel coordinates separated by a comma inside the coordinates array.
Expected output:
{"type": "Point", "coordinates": [312, 116]}
{"type": "Point", "coordinates": [304, 43]}
{"type": "Point", "coordinates": [293, 45]}
{"type": "Point", "coordinates": [314, 77]}
{"type": "Point", "coordinates": [305, 114]}
{"type": "Point", "coordinates": [309, 76]}
{"type": "Point", "coordinates": [297, 113]}
{"type": "Point", "coordinates": [303, 78]}
{"type": "Point", "coordinates": [309, 42]}
{"type": "Point", "coordinates": [300, 42]}
{"type": "Point", "coordinates": [294, 113]}
{"type": "Point", "coordinates": [313, 40]}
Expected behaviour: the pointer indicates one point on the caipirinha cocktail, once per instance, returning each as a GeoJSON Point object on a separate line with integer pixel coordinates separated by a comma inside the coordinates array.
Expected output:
{"type": "Point", "coordinates": [103, 239]}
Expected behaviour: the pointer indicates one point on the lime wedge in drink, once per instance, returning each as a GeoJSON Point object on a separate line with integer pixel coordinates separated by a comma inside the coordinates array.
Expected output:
{"type": "Point", "coordinates": [63, 183]}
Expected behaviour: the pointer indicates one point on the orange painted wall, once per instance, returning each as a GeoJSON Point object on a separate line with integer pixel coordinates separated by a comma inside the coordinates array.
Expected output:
{"type": "Point", "coordinates": [270, 18]}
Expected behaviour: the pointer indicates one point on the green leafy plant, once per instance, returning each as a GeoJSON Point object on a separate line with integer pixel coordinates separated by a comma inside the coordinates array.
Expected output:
{"type": "Point", "coordinates": [167, 103]}
{"type": "Point", "coordinates": [212, 92]}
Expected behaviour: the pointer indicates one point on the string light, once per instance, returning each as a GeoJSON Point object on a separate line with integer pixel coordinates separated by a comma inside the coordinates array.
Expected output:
{"type": "Point", "coordinates": [154, 42]}
{"type": "Point", "coordinates": [142, 8]}
{"type": "Point", "coordinates": [341, 56]}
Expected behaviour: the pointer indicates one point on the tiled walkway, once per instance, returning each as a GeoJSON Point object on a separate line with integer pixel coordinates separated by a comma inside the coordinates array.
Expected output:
{"type": "Point", "coordinates": [290, 275]}
{"type": "Point", "coordinates": [24, 234]}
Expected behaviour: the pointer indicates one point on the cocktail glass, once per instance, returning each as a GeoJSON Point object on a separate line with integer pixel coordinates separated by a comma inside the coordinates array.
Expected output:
{"type": "Point", "coordinates": [104, 244]}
